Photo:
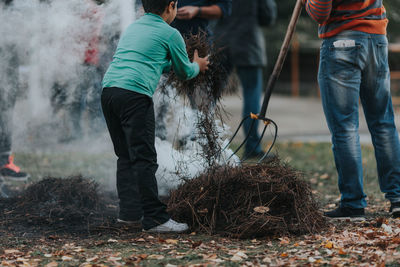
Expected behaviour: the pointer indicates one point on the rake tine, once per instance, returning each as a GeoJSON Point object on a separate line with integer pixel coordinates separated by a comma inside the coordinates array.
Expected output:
{"type": "Point", "coordinates": [259, 141]}
{"type": "Point", "coordinates": [245, 140]}
{"type": "Point", "coordinates": [236, 132]}
{"type": "Point", "coordinates": [273, 142]}
{"type": "Point", "coordinates": [247, 137]}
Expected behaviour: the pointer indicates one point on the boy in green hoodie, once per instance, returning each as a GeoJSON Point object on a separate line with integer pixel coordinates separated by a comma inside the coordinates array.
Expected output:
{"type": "Point", "coordinates": [146, 49]}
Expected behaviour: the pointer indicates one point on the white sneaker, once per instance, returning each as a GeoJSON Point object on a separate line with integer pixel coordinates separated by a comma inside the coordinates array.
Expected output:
{"type": "Point", "coordinates": [170, 226]}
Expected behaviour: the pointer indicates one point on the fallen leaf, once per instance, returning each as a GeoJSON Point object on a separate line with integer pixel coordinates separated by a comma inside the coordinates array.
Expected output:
{"type": "Point", "coordinates": [52, 264]}
{"type": "Point", "coordinates": [342, 252]}
{"type": "Point", "coordinates": [79, 250]}
{"type": "Point", "coordinates": [66, 258]}
{"type": "Point", "coordinates": [172, 241]}
{"type": "Point", "coordinates": [284, 241]}
{"type": "Point", "coordinates": [241, 254]}
{"type": "Point", "coordinates": [311, 260]}
{"type": "Point", "coordinates": [155, 257]}
{"type": "Point", "coordinates": [267, 260]}
{"type": "Point", "coordinates": [261, 209]}
{"type": "Point", "coordinates": [11, 251]}
{"type": "Point", "coordinates": [196, 244]}
{"type": "Point", "coordinates": [114, 258]}
{"type": "Point", "coordinates": [329, 245]}
{"type": "Point", "coordinates": [324, 176]}
{"type": "Point", "coordinates": [236, 258]}
{"type": "Point", "coordinates": [92, 259]}
{"type": "Point", "coordinates": [210, 257]}
{"type": "Point", "coordinates": [387, 228]}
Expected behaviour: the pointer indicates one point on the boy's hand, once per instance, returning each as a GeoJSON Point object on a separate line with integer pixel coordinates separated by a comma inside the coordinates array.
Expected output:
{"type": "Point", "coordinates": [202, 61]}
{"type": "Point", "coordinates": [187, 12]}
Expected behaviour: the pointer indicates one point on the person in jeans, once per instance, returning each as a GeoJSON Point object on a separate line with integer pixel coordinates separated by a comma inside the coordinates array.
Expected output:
{"type": "Point", "coordinates": [8, 95]}
{"type": "Point", "coordinates": [243, 42]}
{"type": "Point", "coordinates": [145, 50]}
{"type": "Point", "coordinates": [353, 66]}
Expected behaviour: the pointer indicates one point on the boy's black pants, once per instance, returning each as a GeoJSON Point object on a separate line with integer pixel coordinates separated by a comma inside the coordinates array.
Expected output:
{"type": "Point", "coordinates": [130, 121]}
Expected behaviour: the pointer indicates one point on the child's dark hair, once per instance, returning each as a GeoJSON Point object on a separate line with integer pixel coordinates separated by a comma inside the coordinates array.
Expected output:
{"type": "Point", "coordinates": [156, 6]}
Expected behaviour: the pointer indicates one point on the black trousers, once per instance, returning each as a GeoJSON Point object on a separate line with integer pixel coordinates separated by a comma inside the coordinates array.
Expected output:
{"type": "Point", "coordinates": [130, 121]}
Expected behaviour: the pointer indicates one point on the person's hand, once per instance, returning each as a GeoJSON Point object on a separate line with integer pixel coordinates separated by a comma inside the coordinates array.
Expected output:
{"type": "Point", "coordinates": [187, 12]}
{"type": "Point", "coordinates": [202, 61]}
{"type": "Point", "coordinates": [303, 2]}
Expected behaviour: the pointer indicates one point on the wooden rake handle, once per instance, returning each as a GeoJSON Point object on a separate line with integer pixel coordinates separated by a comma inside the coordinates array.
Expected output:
{"type": "Point", "coordinates": [282, 56]}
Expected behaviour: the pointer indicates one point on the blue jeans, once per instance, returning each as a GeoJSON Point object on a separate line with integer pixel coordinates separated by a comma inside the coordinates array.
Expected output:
{"type": "Point", "coordinates": [251, 80]}
{"type": "Point", "coordinates": [349, 72]}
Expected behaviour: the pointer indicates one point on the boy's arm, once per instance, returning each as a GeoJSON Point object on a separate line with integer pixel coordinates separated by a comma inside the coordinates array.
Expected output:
{"type": "Point", "coordinates": [319, 10]}
{"type": "Point", "coordinates": [181, 64]}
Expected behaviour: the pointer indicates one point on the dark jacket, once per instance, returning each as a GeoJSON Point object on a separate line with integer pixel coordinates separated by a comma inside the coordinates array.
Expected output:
{"type": "Point", "coordinates": [7, 2]}
{"type": "Point", "coordinates": [187, 27]}
{"type": "Point", "coordinates": [241, 33]}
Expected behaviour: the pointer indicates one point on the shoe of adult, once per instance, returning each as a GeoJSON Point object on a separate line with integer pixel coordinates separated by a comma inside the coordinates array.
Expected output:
{"type": "Point", "coordinates": [345, 213]}
{"type": "Point", "coordinates": [395, 209]}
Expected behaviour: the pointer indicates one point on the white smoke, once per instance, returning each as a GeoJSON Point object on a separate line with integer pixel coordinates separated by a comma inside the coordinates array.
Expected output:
{"type": "Point", "coordinates": [185, 161]}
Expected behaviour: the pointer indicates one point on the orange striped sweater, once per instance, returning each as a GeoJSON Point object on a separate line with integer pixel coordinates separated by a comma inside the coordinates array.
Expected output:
{"type": "Point", "coordinates": [335, 16]}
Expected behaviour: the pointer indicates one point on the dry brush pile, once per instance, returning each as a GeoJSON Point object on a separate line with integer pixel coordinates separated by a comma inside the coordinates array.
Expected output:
{"type": "Point", "coordinates": [57, 203]}
{"type": "Point", "coordinates": [269, 199]}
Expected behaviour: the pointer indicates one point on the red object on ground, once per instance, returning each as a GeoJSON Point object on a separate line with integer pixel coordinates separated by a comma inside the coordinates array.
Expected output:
{"type": "Point", "coordinates": [10, 165]}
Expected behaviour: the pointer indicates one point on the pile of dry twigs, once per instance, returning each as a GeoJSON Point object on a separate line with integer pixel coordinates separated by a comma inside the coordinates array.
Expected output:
{"type": "Point", "coordinates": [268, 199]}
{"type": "Point", "coordinates": [55, 202]}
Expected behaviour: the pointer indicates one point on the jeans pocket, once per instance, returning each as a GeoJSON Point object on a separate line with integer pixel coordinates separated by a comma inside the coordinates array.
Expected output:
{"type": "Point", "coordinates": [382, 56]}
{"type": "Point", "coordinates": [382, 79]}
{"type": "Point", "coordinates": [343, 61]}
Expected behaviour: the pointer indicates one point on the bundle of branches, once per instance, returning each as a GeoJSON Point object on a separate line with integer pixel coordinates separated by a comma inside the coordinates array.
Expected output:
{"type": "Point", "coordinates": [248, 201]}
{"type": "Point", "coordinates": [208, 133]}
{"type": "Point", "coordinates": [207, 86]}
{"type": "Point", "coordinates": [55, 201]}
